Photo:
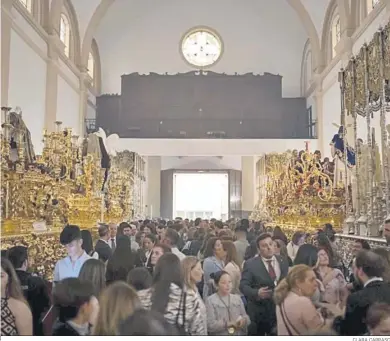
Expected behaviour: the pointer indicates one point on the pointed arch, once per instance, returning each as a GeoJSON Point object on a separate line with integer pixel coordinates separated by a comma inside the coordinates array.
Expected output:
{"type": "Point", "coordinates": [95, 73]}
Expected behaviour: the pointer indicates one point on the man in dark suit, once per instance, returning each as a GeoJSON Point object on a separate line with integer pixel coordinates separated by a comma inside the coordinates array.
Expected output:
{"type": "Point", "coordinates": [34, 288]}
{"type": "Point", "coordinates": [102, 247]}
{"type": "Point", "coordinates": [260, 276]}
{"type": "Point", "coordinates": [368, 269]}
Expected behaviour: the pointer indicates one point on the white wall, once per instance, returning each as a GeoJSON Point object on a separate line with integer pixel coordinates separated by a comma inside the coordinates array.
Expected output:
{"type": "Point", "coordinates": [214, 147]}
{"type": "Point", "coordinates": [68, 106]}
{"type": "Point", "coordinates": [27, 86]}
{"type": "Point", "coordinates": [259, 36]}
{"type": "Point", "coordinates": [201, 162]}
{"type": "Point", "coordinates": [27, 79]}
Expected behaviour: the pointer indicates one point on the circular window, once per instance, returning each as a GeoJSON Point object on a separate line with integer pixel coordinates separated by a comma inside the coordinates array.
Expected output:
{"type": "Point", "coordinates": [201, 47]}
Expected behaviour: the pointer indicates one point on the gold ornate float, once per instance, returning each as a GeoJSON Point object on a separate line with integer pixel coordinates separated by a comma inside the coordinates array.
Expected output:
{"type": "Point", "coordinates": [296, 193]}
{"type": "Point", "coordinates": [40, 194]}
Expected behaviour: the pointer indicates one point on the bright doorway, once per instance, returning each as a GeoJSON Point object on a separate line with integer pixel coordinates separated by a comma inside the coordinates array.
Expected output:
{"type": "Point", "coordinates": [201, 194]}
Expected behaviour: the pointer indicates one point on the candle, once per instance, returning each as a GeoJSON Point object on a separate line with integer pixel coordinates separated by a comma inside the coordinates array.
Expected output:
{"type": "Point", "coordinates": [102, 210]}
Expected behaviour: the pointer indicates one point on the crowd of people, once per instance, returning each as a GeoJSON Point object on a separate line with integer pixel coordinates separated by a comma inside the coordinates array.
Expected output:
{"type": "Point", "coordinates": [198, 277]}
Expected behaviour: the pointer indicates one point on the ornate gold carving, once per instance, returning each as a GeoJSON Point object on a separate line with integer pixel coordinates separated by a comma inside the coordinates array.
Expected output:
{"type": "Point", "coordinates": [360, 89]}
{"type": "Point", "coordinates": [298, 194]}
{"type": "Point", "coordinates": [374, 79]}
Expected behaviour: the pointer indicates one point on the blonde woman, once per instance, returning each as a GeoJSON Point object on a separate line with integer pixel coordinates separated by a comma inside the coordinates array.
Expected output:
{"type": "Point", "coordinates": [117, 302]}
{"type": "Point", "coordinates": [193, 273]}
{"type": "Point", "coordinates": [295, 291]}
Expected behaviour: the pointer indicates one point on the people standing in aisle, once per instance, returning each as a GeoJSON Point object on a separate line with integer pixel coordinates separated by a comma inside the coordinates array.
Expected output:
{"type": "Point", "coordinates": [295, 312]}
{"type": "Point", "coordinates": [259, 278]}
{"type": "Point", "coordinates": [297, 240]}
{"type": "Point", "coordinates": [232, 267]}
{"type": "Point", "coordinates": [139, 279]}
{"type": "Point", "coordinates": [158, 251]}
{"type": "Point", "coordinates": [357, 246]}
{"type": "Point", "coordinates": [192, 275]}
{"type": "Point", "coordinates": [147, 246]}
{"type": "Point", "coordinates": [121, 262]}
{"type": "Point", "coordinates": [378, 319]}
{"type": "Point", "coordinates": [172, 239]}
{"type": "Point", "coordinates": [335, 286]}
{"type": "Point", "coordinates": [70, 266]}
{"type": "Point", "coordinates": [226, 313]}
{"type": "Point", "coordinates": [34, 288]}
{"type": "Point", "coordinates": [94, 271]}
{"type": "Point", "coordinates": [241, 243]}
{"type": "Point", "coordinates": [130, 232]}
{"type": "Point", "coordinates": [16, 317]}
{"type": "Point", "coordinates": [214, 262]}
{"type": "Point", "coordinates": [368, 269]}
{"type": "Point", "coordinates": [102, 246]}
{"type": "Point", "coordinates": [87, 244]}
{"type": "Point", "coordinates": [117, 302]}
{"type": "Point", "coordinates": [113, 236]}
{"type": "Point", "coordinates": [167, 296]}
{"type": "Point", "coordinates": [75, 306]}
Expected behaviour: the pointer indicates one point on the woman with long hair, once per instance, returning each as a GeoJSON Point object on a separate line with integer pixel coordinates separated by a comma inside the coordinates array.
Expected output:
{"type": "Point", "coordinates": [147, 246]}
{"type": "Point", "coordinates": [214, 262]}
{"type": "Point", "coordinates": [225, 311]}
{"type": "Point", "coordinates": [192, 275]}
{"type": "Point", "coordinates": [121, 262]}
{"type": "Point", "coordinates": [16, 317]}
{"type": "Point", "coordinates": [308, 255]}
{"type": "Point", "coordinates": [295, 291]}
{"type": "Point", "coordinates": [117, 302]}
{"type": "Point", "coordinates": [281, 250]}
{"type": "Point", "coordinates": [232, 266]}
{"type": "Point", "coordinates": [335, 286]}
{"type": "Point", "coordinates": [87, 245]}
{"type": "Point", "coordinates": [94, 271]}
{"type": "Point", "coordinates": [168, 297]}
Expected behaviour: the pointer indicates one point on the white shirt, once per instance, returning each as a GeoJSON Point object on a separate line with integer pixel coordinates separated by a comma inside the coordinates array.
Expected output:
{"type": "Point", "coordinates": [373, 279]}
{"type": "Point", "coordinates": [275, 264]}
{"type": "Point", "coordinates": [176, 252]}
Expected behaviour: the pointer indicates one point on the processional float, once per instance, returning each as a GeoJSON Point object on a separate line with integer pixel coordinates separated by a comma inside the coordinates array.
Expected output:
{"type": "Point", "coordinates": [296, 191]}
{"type": "Point", "coordinates": [79, 181]}
{"type": "Point", "coordinates": [365, 107]}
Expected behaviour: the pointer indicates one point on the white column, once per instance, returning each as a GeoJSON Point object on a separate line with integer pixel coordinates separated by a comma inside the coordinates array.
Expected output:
{"type": "Point", "coordinates": [248, 183]}
{"type": "Point", "coordinates": [51, 83]}
{"type": "Point", "coordinates": [153, 181]}
{"type": "Point", "coordinates": [84, 83]}
{"type": "Point", "coordinates": [6, 24]}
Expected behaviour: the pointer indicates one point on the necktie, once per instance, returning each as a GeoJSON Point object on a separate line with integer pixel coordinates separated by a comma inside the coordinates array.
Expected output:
{"type": "Point", "coordinates": [271, 270]}
{"type": "Point", "coordinates": [113, 243]}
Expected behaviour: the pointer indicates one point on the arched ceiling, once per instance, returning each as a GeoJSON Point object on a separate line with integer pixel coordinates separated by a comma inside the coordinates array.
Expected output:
{"type": "Point", "coordinates": [141, 31]}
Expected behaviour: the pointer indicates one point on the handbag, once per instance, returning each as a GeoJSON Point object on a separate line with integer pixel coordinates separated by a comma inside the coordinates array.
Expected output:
{"type": "Point", "coordinates": [181, 327]}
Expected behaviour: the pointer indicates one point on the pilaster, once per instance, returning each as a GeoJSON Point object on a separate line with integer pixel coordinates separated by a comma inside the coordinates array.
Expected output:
{"type": "Point", "coordinates": [83, 99]}
{"type": "Point", "coordinates": [6, 25]}
{"type": "Point", "coordinates": [51, 82]}
{"type": "Point", "coordinates": [248, 168]}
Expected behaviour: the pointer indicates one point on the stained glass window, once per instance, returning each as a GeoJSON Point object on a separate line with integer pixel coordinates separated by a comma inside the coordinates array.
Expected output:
{"type": "Point", "coordinates": [65, 32]}
{"type": "Point", "coordinates": [201, 48]}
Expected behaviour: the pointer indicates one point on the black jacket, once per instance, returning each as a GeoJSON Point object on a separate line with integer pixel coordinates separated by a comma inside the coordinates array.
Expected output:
{"type": "Point", "coordinates": [36, 293]}
{"type": "Point", "coordinates": [103, 250]}
{"type": "Point", "coordinates": [261, 311]}
{"type": "Point", "coordinates": [64, 329]}
{"type": "Point", "coordinates": [353, 323]}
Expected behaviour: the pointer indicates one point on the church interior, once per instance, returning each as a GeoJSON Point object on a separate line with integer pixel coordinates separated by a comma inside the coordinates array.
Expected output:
{"type": "Point", "coordinates": [141, 111]}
